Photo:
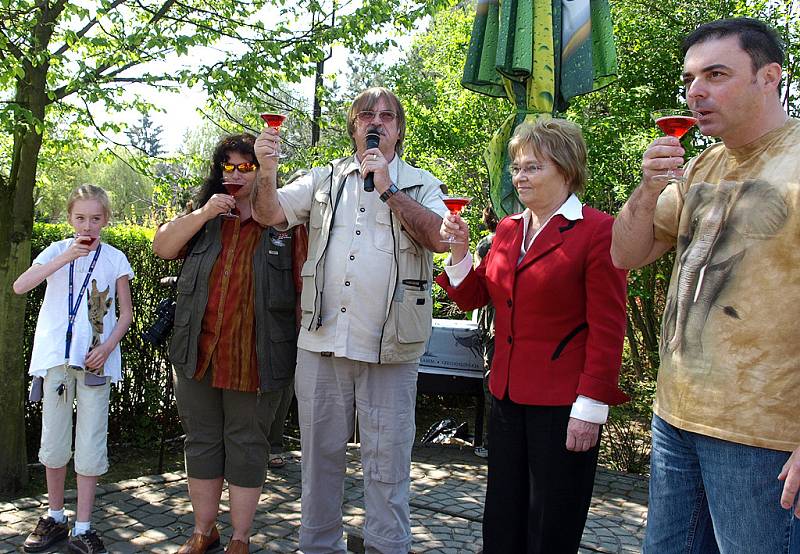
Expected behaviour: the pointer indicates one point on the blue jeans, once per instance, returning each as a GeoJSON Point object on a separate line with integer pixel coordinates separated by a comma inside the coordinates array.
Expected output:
{"type": "Point", "coordinates": [713, 496]}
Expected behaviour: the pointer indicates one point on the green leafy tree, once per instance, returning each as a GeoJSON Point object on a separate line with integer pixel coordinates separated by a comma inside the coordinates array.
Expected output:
{"type": "Point", "coordinates": [448, 126]}
{"type": "Point", "coordinates": [61, 57]}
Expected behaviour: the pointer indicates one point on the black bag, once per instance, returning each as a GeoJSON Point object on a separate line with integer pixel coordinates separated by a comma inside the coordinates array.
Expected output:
{"type": "Point", "coordinates": [158, 332]}
{"type": "Point", "coordinates": [443, 431]}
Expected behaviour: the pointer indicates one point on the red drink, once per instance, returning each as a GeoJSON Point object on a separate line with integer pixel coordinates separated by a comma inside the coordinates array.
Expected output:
{"type": "Point", "coordinates": [274, 120]}
{"type": "Point", "coordinates": [232, 187]}
{"type": "Point", "coordinates": [456, 203]}
{"type": "Point", "coordinates": [676, 125]}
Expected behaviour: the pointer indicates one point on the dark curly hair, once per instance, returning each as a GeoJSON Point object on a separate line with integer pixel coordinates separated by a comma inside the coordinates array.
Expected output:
{"type": "Point", "coordinates": [244, 145]}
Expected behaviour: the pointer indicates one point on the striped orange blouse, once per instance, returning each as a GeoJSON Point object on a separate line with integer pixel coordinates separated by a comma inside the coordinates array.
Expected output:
{"type": "Point", "coordinates": [226, 344]}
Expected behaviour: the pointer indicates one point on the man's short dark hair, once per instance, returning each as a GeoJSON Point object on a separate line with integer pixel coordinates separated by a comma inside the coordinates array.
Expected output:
{"type": "Point", "coordinates": [758, 39]}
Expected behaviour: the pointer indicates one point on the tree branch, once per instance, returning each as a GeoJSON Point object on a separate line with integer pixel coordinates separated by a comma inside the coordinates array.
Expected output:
{"type": "Point", "coordinates": [10, 46]}
{"type": "Point", "coordinates": [86, 28]}
{"type": "Point", "coordinates": [43, 30]}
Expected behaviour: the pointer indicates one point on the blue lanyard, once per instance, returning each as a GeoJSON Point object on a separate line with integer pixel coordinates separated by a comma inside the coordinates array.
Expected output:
{"type": "Point", "coordinates": [72, 309]}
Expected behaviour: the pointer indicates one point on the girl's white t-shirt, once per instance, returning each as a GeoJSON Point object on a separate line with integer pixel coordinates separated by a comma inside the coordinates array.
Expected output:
{"type": "Point", "coordinates": [51, 328]}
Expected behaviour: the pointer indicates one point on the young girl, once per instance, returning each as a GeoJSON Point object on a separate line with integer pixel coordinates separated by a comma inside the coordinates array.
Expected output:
{"type": "Point", "coordinates": [76, 351]}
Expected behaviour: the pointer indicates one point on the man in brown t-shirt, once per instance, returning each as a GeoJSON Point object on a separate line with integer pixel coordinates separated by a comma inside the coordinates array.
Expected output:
{"type": "Point", "coordinates": [724, 428]}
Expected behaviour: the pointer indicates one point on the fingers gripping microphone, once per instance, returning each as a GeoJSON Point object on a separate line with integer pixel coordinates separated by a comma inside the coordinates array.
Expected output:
{"type": "Point", "coordinates": [373, 141]}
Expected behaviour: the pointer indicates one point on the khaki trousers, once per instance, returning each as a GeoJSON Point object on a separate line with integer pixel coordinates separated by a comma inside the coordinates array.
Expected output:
{"type": "Point", "coordinates": [62, 388]}
{"type": "Point", "coordinates": [329, 391]}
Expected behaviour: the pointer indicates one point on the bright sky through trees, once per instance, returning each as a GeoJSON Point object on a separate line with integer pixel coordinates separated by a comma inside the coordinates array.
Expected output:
{"type": "Point", "coordinates": [180, 113]}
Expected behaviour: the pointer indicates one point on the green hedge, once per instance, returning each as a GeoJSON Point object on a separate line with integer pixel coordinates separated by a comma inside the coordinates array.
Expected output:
{"type": "Point", "coordinates": [142, 410]}
{"type": "Point", "coordinates": [141, 407]}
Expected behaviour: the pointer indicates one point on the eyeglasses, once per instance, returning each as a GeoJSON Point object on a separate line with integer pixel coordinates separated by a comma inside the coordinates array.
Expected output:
{"type": "Point", "coordinates": [528, 169]}
{"type": "Point", "coordinates": [386, 116]}
{"type": "Point", "coordinates": [244, 167]}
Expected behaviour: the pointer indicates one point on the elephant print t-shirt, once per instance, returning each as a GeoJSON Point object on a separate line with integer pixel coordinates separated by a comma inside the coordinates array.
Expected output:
{"type": "Point", "coordinates": [730, 334]}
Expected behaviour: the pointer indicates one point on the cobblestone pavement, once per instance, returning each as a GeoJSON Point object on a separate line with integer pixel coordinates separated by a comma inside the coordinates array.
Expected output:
{"type": "Point", "coordinates": [153, 514]}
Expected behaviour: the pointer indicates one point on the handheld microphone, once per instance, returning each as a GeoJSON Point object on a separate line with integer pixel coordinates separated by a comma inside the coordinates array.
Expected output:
{"type": "Point", "coordinates": [373, 141]}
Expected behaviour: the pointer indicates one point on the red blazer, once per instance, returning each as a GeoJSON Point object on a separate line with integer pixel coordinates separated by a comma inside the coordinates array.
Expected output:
{"type": "Point", "coordinates": [559, 315]}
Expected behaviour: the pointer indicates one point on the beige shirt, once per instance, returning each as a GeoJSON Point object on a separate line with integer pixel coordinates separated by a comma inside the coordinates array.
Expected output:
{"type": "Point", "coordinates": [731, 330]}
{"type": "Point", "coordinates": [358, 264]}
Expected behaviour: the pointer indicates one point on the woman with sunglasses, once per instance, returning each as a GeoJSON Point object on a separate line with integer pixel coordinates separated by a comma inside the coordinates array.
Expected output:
{"type": "Point", "coordinates": [234, 341]}
{"type": "Point", "coordinates": [559, 328]}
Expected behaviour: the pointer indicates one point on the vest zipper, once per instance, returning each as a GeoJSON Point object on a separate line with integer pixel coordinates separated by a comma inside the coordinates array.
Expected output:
{"type": "Point", "coordinates": [318, 297]}
{"type": "Point", "coordinates": [395, 246]}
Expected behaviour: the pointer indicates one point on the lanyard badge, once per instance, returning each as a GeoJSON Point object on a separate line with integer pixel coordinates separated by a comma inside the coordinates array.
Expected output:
{"type": "Point", "coordinates": [72, 308]}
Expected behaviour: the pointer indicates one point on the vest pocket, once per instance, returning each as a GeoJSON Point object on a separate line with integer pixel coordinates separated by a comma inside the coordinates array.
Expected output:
{"type": "Point", "coordinates": [319, 205]}
{"type": "Point", "coordinates": [309, 289]}
{"type": "Point", "coordinates": [413, 317]}
{"type": "Point", "coordinates": [191, 267]}
{"type": "Point", "coordinates": [276, 347]}
{"type": "Point", "coordinates": [281, 286]}
{"type": "Point", "coordinates": [383, 231]}
{"type": "Point", "coordinates": [283, 344]}
{"type": "Point", "coordinates": [179, 345]}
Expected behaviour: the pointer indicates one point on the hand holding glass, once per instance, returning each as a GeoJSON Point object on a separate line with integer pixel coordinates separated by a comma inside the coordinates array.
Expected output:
{"type": "Point", "coordinates": [274, 120]}
{"type": "Point", "coordinates": [675, 123]}
{"type": "Point", "coordinates": [455, 204]}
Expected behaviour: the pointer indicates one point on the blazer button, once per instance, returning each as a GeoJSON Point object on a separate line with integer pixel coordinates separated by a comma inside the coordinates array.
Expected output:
{"type": "Point", "coordinates": [508, 302]}
{"type": "Point", "coordinates": [509, 339]}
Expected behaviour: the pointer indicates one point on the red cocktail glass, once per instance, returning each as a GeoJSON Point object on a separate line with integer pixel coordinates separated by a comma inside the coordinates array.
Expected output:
{"type": "Point", "coordinates": [232, 187]}
{"type": "Point", "coordinates": [274, 120]}
{"type": "Point", "coordinates": [675, 123]}
{"type": "Point", "coordinates": [455, 204]}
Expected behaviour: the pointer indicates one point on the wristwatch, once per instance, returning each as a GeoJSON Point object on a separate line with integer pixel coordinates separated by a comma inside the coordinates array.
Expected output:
{"type": "Point", "coordinates": [388, 193]}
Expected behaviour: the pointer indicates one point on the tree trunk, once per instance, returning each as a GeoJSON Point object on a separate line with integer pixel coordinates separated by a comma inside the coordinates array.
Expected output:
{"type": "Point", "coordinates": [16, 226]}
{"type": "Point", "coordinates": [317, 112]}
